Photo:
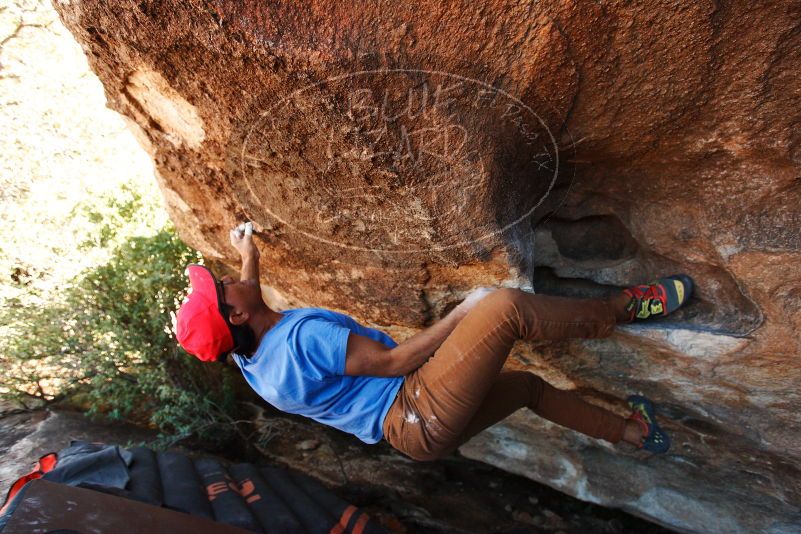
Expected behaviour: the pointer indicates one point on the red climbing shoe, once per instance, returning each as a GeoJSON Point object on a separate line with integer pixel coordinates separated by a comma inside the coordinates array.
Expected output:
{"type": "Point", "coordinates": [659, 298]}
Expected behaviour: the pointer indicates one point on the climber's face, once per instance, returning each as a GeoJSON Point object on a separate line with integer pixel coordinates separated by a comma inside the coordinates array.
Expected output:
{"type": "Point", "coordinates": [242, 297]}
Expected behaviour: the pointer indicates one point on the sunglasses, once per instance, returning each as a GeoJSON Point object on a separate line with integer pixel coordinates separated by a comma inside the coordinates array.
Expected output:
{"type": "Point", "coordinates": [223, 306]}
{"type": "Point", "coordinates": [220, 286]}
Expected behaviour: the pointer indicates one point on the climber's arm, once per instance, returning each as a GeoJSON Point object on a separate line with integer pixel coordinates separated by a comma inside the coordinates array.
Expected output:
{"type": "Point", "coordinates": [242, 241]}
{"type": "Point", "coordinates": [366, 356]}
{"type": "Point", "coordinates": [250, 266]}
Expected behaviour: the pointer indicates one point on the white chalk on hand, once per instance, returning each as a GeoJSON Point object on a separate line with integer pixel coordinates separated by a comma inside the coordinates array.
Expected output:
{"type": "Point", "coordinates": [249, 228]}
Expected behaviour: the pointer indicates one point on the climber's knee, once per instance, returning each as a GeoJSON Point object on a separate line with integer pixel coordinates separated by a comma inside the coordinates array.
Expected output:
{"type": "Point", "coordinates": [508, 302]}
{"type": "Point", "coordinates": [505, 297]}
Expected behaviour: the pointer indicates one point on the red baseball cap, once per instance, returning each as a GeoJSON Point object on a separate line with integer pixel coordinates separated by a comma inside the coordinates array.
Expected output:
{"type": "Point", "coordinates": [201, 328]}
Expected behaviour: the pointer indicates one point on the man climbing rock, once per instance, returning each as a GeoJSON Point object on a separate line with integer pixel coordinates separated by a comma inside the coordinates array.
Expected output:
{"type": "Point", "coordinates": [431, 393]}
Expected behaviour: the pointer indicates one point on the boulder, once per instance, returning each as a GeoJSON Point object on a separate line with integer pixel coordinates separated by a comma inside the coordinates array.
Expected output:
{"type": "Point", "coordinates": [396, 155]}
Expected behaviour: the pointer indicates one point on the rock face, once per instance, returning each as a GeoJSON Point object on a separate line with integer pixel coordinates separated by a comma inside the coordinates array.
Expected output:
{"type": "Point", "coordinates": [396, 155]}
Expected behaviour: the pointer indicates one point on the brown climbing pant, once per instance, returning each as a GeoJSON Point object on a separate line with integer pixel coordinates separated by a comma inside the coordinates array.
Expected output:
{"type": "Point", "coordinates": [461, 390]}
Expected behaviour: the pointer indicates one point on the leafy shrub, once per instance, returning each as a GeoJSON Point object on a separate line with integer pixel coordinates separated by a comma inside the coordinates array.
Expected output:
{"type": "Point", "coordinates": [110, 335]}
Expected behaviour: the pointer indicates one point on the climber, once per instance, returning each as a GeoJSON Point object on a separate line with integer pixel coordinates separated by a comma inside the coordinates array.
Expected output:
{"type": "Point", "coordinates": [431, 393]}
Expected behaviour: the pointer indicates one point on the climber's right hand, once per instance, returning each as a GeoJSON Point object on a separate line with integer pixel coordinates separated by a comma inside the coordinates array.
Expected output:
{"type": "Point", "coordinates": [242, 241]}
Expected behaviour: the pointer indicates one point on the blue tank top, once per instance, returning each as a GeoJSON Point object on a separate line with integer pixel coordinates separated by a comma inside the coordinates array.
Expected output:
{"type": "Point", "coordinates": [299, 368]}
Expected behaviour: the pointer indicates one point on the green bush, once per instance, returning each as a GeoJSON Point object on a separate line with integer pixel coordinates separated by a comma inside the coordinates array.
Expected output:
{"type": "Point", "coordinates": [109, 335]}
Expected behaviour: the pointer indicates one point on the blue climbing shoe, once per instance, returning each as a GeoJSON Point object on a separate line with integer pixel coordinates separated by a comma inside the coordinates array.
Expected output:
{"type": "Point", "coordinates": [658, 298]}
{"type": "Point", "coordinates": [654, 438]}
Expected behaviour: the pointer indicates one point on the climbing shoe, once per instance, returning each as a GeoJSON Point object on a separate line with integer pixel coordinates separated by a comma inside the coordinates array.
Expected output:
{"type": "Point", "coordinates": [659, 298]}
{"type": "Point", "coordinates": [654, 438]}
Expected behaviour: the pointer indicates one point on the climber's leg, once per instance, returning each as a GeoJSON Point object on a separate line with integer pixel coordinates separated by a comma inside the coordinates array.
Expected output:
{"type": "Point", "coordinates": [438, 400]}
{"type": "Point", "coordinates": [515, 389]}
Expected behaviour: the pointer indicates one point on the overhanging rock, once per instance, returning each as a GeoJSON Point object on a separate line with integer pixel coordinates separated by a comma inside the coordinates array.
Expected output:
{"type": "Point", "coordinates": [394, 156]}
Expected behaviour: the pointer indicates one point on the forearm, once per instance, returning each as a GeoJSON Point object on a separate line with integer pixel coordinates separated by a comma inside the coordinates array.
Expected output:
{"type": "Point", "coordinates": [250, 267]}
{"type": "Point", "coordinates": [242, 241]}
{"type": "Point", "coordinates": [416, 350]}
